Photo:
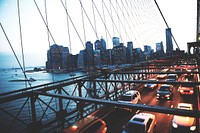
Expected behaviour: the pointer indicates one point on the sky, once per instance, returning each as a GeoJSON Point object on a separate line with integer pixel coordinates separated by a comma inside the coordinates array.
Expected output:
{"type": "Point", "coordinates": [143, 25]}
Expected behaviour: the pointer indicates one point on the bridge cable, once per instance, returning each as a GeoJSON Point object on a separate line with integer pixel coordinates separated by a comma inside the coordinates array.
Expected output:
{"type": "Point", "coordinates": [45, 5]}
{"type": "Point", "coordinates": [104, 21]}
{"type": "Point", "coordinates": [68, 29]}
{"type": "Point", "coordinates": [135, 16]}
{"type": "Point", "coordinates": [72, 22]}
{"type": "Point", "coordinates": [83, 22]}
{"type": "Point", "coordinates": [21, 41]}
{"type": "Point", "coordinates": [48, 30]}
{"type": "Point", "coordinates": [20, 29]}
{"type": "Point", "coordinates": [94, 16]}
{"type": "Point", "coordinates": [166, 23]}
{"type": "Point", "coordinates": [14, 53]}
{"type": "Point", "coordinates": [88, 19]}
{"type": "Point", "coordinates": [112, 20]}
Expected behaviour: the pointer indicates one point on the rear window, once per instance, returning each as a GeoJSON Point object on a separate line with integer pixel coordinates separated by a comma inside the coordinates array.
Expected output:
{"type": "Point", "coordinates": [134, 128]}
{"type": "Point", "coordinates": [126, 98]}
{"type": "Point", "coordinates": [94, 127]}
{"type": "Point", "coordinates": [164, 88]}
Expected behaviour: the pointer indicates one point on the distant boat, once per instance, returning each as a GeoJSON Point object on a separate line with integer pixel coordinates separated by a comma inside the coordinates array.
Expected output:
{"type": "Point", "coordinates": [22, 80]}
{"type": "Point", "coordinates": [72, 74]}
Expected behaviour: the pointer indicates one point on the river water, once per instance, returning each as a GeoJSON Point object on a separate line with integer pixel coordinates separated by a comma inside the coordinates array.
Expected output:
{"type": "Point", "coordinates": [12, 109]}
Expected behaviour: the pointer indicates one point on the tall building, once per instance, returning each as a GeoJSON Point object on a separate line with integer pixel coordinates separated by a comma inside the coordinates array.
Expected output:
{"type": "Point", "coordinates": [169, 45]}
{"type": "Point", "coordinates": [97, 58]}
{"type": "Point", "coordinates": [147, 51]}
{"type": "Point", "coordinates": [115, 41]}
{"type": "Point", "coordinates": [103, 43]}
{"type": "Point", "coordinates": [89, 55]}
{"type": "Point", "coordinates": [55, 57]}
{"type": "Point", "coordinates": [80, 60]}
{"type": "Point", "coordinates": [129, 52]}
{"type": "Point", "coordinates": [119, 54]}
{"type": "Point", "coordinates": [159, 49]}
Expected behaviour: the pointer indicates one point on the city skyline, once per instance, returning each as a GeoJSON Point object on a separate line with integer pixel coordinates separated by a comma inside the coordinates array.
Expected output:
{"type": "Point", "coordinates": [31, 42]}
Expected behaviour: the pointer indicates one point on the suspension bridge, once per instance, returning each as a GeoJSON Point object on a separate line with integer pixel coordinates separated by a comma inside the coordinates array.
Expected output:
{"type": "Point", "coordinates": [54, 106]}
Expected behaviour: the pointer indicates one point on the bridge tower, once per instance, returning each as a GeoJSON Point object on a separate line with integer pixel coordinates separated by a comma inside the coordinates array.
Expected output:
{"type": "Point", "coordinates": [196, 45]}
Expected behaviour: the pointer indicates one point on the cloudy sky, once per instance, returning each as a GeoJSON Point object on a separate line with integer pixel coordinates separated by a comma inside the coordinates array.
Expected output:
{"type": "Point", "coordinates": [139, 22]}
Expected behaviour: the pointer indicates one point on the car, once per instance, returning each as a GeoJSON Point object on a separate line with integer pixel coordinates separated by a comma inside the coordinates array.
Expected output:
{"type": "Point", "coordinates": [151, 85]}
{"type": "Point", "coordinates": [89, 124]}
{"type": "Point", "coordinates": [186, 89]}
{"type": "Point", "coordinates": [141, 123]}
{"type": "Point", "coordinates": [165, 91]}
{"type": "Point", "coordinates": [172, 77]}
{"type": "Point", "coordinates": [130, 96]}
{"type": "Point", "coordinates": [161, 76]}
{"type": "Point", "coordinates": [184, 123]}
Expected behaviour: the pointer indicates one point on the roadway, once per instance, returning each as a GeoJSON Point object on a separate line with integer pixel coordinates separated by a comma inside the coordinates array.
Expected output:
{"type": "Point", "coordinates": [117, 118]}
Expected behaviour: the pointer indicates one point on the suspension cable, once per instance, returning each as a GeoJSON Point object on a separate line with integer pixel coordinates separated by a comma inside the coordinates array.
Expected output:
{"type": "Point", "coordinates": [89, 19]}
{"type": "Point", "coordinates": [166, 23]}
{"type": "Point", "coordinates": [14, 53]}
{"type": "Point", "coordinates": [112, 20]}
{"type": "Point", "coordinates": [68, 30]}
{"type": "Point", "coordinates": [20, 31]}
{"type": "Point", "coordinates": [72, 23]}
{"type": "Point", "coordinates": [83, 22]}
{"type": "Point", "coordinates": [104, 22]}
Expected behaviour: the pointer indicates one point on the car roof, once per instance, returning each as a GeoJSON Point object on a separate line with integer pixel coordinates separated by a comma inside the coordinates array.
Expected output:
{"type": "Point", "coordinates": [130, 92]}
{"type": "Point", "coordinates": [142, 118]}
{"type": "Point", "coordinates": [165, 85]}
{"type": "Point", "coordinates": [186, 106]}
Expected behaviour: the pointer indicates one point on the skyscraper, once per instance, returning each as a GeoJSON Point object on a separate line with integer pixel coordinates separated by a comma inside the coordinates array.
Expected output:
{"type": "Point", "coordinates": [115, 41]}
{"type": "Point", "coordinates": [169, 45]}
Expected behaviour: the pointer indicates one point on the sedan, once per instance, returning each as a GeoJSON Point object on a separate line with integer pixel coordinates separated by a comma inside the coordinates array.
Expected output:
{"type": "Point", "coordinates": [184, 123]}
{"type": "Point", "coordinates": [151, 85]}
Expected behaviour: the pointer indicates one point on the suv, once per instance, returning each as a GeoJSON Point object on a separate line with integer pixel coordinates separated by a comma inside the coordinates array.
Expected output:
{"type": "Point", "coordinates": [184, 123]}
{"type": "Point", "coordinates": [165, 91]}
{"type": "Point", "coordinates": [131, 96]}
{"type": "Point", "coordinates": [89, 124]}
{"type": "Point", "coordinates": [141, 123]}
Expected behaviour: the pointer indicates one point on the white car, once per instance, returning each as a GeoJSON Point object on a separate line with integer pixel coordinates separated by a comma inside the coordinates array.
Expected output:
{"type": "Point", "coordinates": [184, 123]}
{"type": "Point", "coordinates": [151, 85]}
{"type": "Point", "coordinates": [141, 123]}
{"type": "Point", "coordinates": [131, 96]}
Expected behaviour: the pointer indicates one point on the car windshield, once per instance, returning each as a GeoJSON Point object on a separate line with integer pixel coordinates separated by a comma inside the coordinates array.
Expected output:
{"type": "Point", "coordinates": [186, 85]}
{"type": "Point", "coordinates": [94, 127]}
{"type": "Point", "coordinates": [126, 98]}
{"type": "Point", "coordinates": [133, 128]}
{"type": "Point", "coordinates": [164, 88]}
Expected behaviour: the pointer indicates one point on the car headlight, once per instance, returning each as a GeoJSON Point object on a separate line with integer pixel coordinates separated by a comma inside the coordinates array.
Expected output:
{"type": "Point", "coordinates": [174, 125]}
{"type": "Point", "coordinates": [168, 95]}
{"type": "Point", "coordinates": [181, 90]}
{"type": "Point", "coordinates": [192, 128]}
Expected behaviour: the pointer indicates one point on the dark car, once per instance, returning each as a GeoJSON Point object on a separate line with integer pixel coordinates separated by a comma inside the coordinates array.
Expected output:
{"type": "Point", "coordinates": [165, 92]}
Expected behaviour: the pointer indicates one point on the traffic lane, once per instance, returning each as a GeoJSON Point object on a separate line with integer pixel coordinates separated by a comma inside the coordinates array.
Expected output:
{"type": "Point", "coordinates": [163, 120]}
{"type": "Point", "coordinates": [117, 119]}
